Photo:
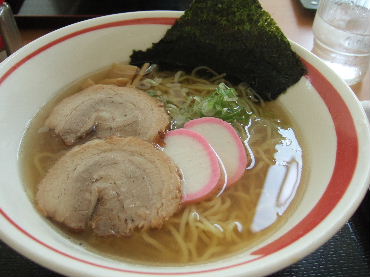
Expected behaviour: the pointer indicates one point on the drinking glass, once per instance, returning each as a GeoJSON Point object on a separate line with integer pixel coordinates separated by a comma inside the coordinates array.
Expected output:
{"type": "Point", "coordinates": [342, 37]}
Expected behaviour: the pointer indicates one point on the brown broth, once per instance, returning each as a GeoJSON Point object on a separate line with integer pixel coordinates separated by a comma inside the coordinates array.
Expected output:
{"type": "Point", "coordinates": [238, 204]}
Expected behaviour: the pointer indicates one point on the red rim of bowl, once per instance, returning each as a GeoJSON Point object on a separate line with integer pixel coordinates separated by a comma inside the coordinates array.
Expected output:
{"type": "Point", "coordinates": [345, 164]}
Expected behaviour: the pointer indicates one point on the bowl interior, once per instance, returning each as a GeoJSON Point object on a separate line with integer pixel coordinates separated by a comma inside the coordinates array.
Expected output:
{"type": "Point", "coordinates": [334, 128]}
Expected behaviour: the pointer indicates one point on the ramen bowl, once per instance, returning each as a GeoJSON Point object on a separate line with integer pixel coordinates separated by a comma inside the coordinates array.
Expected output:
{"type": "Point", "coordinates": [332, 123]}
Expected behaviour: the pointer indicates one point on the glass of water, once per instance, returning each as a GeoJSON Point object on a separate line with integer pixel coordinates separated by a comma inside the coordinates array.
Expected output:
{"type": "Point", "coordinates": [342, 37]}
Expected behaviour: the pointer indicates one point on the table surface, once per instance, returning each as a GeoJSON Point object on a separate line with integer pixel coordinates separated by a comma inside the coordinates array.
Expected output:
{"type": "Point", "coordinates": [296, 23]}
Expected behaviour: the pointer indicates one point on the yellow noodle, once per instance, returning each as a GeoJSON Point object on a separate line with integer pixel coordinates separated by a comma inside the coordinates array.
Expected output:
{"type": "Point", "coordinates": [206, 68]}
{"type": "Point", "coordinates": [218, 77]}
{"type": "Point", "coordinates": [181, 243]}
{"type": "Point", "coordinates": [212, 202]}
{"type": "Point", "coordinates": [220, 213]}
{"type": "Point", "coordinates": [193, 80]}
{"type": "Point", "coordinates": [121, 82]}
{"type": "Point", "coordinates": [211, 251]}
{"type": "Point", "coordinates": [162, 88]}
{"type": "Point", "coordinates": [230, 232]}
{"type": "Point", "coordinates": [267, 145]}
{"type": "Point", "coordinates": [214, 207]}
{"type": "Point", "coordinates": [243, 196]}
{"type": "Point", "coordinates": [177, 76]}
{"type": "Point", "coordinates": [208, 226]}
{"type": "Point", "coordinates": [192, 246]}
{"type": "Point", "coordinates": [256, 169]}
{"type": "Point", "coordinates": [153, 242]}
{"type": "Point", "coordinates": [122, 70]}
{"type": "Point", "coordinates": [183, 222]}
{"type": "Point", "coordinates": [193, 232]}
{"type": "Point", "coordinates": [204, 237]}
{"type": "Point", "coordinates": [193, 236]}
{"type": "Point", "coordinates": [259, 151]}
{"type": "Point", "coordinates": [140, 74]}
{"type": "Point", "coordinates": [201, 87]}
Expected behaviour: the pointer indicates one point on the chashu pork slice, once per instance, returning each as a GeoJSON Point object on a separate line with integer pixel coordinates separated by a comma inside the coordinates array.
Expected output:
{"type": "Point", "coordinates": [108, 110]}
{"type": "Point", "coordinates": [112, 186]}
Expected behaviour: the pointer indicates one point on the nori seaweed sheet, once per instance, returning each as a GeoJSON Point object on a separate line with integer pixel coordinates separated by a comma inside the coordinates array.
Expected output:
{"type": "Point", "coordinates": [235, 37]}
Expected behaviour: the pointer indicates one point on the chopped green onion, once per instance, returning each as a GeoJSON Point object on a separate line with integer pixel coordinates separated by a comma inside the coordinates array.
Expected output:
{"type": "Point", "coordinates": [223, 103]}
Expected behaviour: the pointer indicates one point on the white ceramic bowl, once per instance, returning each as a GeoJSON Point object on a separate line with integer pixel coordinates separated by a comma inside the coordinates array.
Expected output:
{"type": "Point", "coordinates": [333, 124]}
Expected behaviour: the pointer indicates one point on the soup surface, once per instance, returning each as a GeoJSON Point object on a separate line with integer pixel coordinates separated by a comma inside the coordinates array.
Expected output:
{"type": "Point", "coordinates": [233, 220]}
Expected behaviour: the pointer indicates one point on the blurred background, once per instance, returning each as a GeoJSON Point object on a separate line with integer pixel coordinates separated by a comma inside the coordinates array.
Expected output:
{"type": "Point", "coordinates": [57, 13]}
